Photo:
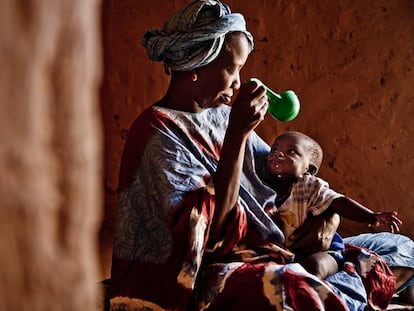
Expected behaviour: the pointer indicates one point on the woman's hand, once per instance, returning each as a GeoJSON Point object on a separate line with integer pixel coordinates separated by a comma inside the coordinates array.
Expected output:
{"type": "Point", "coordinates": [388, 219]}
{"type": "Point", "coordinates": [247, 112]}
{"type": "Point", "coordinates": [250, 107]}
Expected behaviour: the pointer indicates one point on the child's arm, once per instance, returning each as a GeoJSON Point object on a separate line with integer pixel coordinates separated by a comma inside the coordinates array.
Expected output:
{"type": "Point", "coordinates": [355, 211]}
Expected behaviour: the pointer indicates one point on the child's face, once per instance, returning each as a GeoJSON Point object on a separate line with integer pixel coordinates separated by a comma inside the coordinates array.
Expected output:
{"type": "Point", "coordinates": [288, 157]}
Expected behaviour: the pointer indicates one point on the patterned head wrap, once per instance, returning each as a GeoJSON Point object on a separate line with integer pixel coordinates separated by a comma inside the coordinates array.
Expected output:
{"type": "Point", "coordinates": [194, 36]}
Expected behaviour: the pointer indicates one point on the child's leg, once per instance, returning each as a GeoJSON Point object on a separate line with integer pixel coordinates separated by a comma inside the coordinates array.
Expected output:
{"type": "Point", "coordinates": [405, 276]}
{"type": "Point", "coordinates": [320, 264]}
{"type": "Point", "coordinates": [407, 295]}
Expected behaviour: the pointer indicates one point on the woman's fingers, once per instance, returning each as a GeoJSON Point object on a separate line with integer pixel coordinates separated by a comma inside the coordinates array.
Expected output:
{"type": "Point", "coordinates": [250, 106]}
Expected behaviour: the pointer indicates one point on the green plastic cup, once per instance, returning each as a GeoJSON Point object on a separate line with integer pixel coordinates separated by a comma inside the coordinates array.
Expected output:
{"type": "Point", "coordinates": [283, 107]}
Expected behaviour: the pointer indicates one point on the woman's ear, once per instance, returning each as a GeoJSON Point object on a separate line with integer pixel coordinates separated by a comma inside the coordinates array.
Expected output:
{"type": "Point", "coordinates": [312, 169]}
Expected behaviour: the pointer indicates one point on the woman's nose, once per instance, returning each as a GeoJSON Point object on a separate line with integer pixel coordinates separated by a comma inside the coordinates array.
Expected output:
{"type": "Point", "coordinates": [236, 82]}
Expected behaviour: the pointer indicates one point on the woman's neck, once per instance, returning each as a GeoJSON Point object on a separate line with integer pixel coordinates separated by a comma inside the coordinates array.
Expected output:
{"type": "Point", "coordinates": [176, 100]}
{"type": "Point", "coordinates": [180, 94]}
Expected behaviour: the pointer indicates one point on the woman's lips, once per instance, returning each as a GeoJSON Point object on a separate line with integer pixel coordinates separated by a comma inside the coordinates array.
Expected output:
{"type": "Point", "coordinates": [226, 98]}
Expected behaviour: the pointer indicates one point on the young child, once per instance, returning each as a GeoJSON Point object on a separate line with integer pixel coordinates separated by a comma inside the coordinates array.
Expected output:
{"type": "Point", "coordinates": [307, 209]}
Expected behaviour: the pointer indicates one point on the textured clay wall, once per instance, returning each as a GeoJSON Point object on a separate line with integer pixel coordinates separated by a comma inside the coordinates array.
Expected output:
{"type": "Point", "coordinates": [350, 62]}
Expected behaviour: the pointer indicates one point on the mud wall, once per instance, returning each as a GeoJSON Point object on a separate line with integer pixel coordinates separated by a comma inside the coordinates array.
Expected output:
{"type": "Point", "coordinates": [350, 62]}
{"type": "Point", "coordinates": [50, 154]}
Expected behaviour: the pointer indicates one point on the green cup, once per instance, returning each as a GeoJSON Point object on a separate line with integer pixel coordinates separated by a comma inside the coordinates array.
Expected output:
{"type": "Point", "coordinates": [283, 107]}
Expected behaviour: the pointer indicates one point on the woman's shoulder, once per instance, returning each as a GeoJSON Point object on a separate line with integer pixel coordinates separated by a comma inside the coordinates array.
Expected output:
{"type": "Point", "coordinates": [151, 116]}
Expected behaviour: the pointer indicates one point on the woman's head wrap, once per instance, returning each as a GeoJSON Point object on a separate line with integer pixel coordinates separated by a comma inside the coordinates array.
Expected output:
{"type": "Point", "coordinates": [194, 36]}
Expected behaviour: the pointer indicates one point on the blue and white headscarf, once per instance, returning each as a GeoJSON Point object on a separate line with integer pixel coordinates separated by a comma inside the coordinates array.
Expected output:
{"type": "Point", "coordinates": [194, 36]}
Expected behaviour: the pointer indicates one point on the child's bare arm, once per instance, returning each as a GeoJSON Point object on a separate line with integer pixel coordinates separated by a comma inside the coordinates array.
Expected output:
{"type": "Point", "coordinates": [355, 211]}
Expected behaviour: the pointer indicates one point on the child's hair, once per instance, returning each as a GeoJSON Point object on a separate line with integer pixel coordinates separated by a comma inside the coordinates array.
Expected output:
{"type": "Point", "coordinates": [315, 150]}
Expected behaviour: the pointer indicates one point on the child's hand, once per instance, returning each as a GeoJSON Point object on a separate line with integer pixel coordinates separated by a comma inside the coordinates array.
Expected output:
{"type": "Point", "coordinates": [388, 219]}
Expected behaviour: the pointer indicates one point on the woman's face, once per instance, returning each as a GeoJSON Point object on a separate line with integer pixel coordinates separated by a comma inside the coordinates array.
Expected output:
{"type": "Point", "coordinates": [218, 80]}
{"type": "Point", "coordinates": [288, 157]}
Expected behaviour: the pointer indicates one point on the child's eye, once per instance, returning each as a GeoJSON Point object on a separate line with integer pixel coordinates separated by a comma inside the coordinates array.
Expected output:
{"type": "Point", "coordinates": [292, 151]}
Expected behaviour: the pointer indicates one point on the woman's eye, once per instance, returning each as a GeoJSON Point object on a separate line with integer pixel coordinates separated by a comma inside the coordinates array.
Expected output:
{"type": "Point", "coordinates": [231, 71]}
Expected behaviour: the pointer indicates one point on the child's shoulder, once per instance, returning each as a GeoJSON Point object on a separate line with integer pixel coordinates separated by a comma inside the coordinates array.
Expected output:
{"type": "Point", "coordinates": [312, 181]}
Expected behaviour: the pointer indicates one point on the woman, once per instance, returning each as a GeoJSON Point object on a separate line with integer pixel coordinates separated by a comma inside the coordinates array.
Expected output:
{"type": "Point", "coordinates": [191, 231]}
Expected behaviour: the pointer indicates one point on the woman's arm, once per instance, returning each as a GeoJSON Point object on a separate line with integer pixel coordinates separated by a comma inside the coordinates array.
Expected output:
{"type": "Point", "coordinates": [355, 211]}
{"type": "Point", "coordinates": [247, 112]}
